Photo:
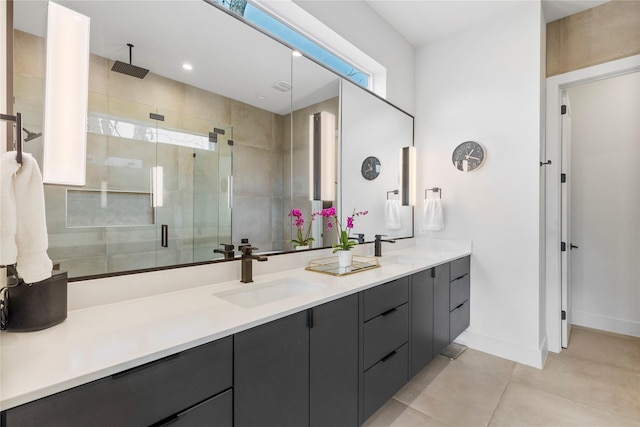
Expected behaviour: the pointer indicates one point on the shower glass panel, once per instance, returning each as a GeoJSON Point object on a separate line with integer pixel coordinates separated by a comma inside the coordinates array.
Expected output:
{"type": "Point", "coordinates": [192, 175]}
{"type": "Point", "coordinates": [212, 186]}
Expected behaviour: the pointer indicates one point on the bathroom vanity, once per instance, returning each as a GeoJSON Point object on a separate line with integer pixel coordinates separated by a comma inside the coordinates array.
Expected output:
{"type": "Point", "coordinates": [328, 351]}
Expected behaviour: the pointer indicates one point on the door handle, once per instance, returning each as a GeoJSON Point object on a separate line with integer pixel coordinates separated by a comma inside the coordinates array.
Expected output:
{"type": "Point", "coordinates": [164, 235]}
{"type": "Point", "coordinates": [572, 246]}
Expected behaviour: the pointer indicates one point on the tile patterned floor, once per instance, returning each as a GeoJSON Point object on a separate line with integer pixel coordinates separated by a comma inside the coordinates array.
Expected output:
{"type": "Point", "coordinates": [595, 382]}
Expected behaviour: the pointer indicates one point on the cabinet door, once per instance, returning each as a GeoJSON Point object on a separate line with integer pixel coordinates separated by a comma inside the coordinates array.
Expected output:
{"type": "Point", "coordinates": [440, 309]}
{"type": "Point", "coordinates": [334, 363]}
{"type": "Point", "coordinates": [421, 325]}
{"type": "Point", "coordinates": [271, 374]}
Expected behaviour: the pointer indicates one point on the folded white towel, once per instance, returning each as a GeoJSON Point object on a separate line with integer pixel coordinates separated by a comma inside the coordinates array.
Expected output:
{"type": "Point", "coordinates": [25, 241]}
{"type": "Point", "coordinates": [392, 215]}
{"type": "Point", "coordinates": [433, 214]}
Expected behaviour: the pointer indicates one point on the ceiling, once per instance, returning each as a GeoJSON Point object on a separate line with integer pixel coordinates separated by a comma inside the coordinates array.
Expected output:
{"type": "Point", "coordinates": [423, 21]}
{"type": "Point", "coordinates": [228, 57]}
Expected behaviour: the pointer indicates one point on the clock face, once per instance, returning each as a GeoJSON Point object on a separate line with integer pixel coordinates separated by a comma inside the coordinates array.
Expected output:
{"type": "Point", "coordinates": [371, 168]}
{"type": "Point", "coordinates": [468, 156]}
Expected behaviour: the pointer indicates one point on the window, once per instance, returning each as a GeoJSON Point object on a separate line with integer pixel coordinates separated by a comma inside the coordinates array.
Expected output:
{"type": "Point", "coordinates": [281, 31]}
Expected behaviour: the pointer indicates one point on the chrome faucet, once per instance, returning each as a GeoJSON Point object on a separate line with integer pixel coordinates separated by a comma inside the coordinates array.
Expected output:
{"type": "Point", "coordinates": [228, 252]}
{"type": "Point", "coordinates": [247, 262]}
{"type": "Point", "coordinates": [378, 243]}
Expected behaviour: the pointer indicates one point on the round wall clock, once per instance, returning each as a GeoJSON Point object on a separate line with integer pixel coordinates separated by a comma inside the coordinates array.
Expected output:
{"type": "Point", "coordinates": [468, 156]}
{"type": "Point", "coordinates": [371, 167]}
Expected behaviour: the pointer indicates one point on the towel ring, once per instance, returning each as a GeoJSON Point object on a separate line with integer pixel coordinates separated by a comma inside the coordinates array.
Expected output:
{"type": "Point", "coordinates": [435, 190]}
{"type": "Point", "coordinates": [392, 191]}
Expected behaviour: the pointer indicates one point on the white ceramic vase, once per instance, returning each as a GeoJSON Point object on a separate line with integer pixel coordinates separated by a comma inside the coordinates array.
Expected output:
{"type": "Point", "coordinates": [344, 258]}
{"type": "Point", "coordinates": [301, 247]}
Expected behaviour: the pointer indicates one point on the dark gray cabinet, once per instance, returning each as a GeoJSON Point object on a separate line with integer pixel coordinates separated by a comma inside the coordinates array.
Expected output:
{"type": "Point", "coordinates": [271, 374]}
{"type": "Point", "coordinates": [459, 296]}
{"type": "Point", "coordinates": [300, 370]}
{"type": "Point", "coordinates": [441, 308]}
{"type": "Point", "coordinates": [333, 371]}
{"type": "Point", "coordinates": [421, 325]}
{"type": "Point", "coordinates": [384, 355]}
{"type": "Point", "coordinates": [141, 396]}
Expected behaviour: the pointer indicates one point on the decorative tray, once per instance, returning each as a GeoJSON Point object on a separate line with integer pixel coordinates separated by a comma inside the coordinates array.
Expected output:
{"type": "Point", "coordinates": [330, 266]}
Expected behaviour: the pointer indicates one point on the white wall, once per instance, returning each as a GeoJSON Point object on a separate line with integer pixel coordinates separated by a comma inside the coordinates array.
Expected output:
{"type": "Point", "coordinates": [362, 26]}
{"type": "Point", "coordinates": [605, 204]}
{"type": "Point", "coordinates": [484, 84]}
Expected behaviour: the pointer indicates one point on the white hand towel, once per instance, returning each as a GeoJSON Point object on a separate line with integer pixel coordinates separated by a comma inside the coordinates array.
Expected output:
{"type": "Point", "coordinates": [8, 248]}
{"type": "Point", "coordinates": [392, 215]}
{"type": "Point", "coordinates": [433, 214]}
{"type": "Point", "coordinates": [27, 232]}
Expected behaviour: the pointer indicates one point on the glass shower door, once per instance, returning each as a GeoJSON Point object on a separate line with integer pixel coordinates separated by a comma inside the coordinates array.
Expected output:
{"type": "Point", "coordinates": [212, 194]}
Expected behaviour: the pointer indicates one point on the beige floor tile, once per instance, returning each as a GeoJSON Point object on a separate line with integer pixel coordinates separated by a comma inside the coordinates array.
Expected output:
{"type": "Point", "coordinates": [397, 414]}
{"type": "Point", "coordinates": [593, 384]}
{"type": "Point", "coordinates": [386, 415]}
{"type": "Point", "coordinates": [524, 406]}
{"type": "Point", "coordinates": [467, 391]}
{"type": "Point", "coordinates": [422, 380]}
{"type": "Point", "coordinates": [617, 350]}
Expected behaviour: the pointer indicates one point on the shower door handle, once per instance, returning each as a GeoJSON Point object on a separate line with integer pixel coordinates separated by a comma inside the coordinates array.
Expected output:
{"type": "Point", "coordinates": [164, 235]}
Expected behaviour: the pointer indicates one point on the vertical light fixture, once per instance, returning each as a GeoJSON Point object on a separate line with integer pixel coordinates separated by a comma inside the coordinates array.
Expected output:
{"type": "Point", "coordinates": [322, 156]}
{"type": "Point", "coordinates": [408, 176]}
{"type": "Point", "coordinates": [157, 186]}
{"type": "Point", "coordinates": [66, 95]}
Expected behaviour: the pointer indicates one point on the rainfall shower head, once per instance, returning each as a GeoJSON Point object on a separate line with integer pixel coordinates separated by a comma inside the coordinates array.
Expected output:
{"type": "Point", "coordinates": [129, 69]}
{"type": "Point", "coordinates": [31, 135]}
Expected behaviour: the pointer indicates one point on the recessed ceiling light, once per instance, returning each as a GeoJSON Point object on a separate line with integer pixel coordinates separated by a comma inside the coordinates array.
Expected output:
{"type": "Point", "coordinates": [260, 96]}
{"type": "Point", "coordinates": [296, 53]}
{"type": "Point", "coordinates": [187, 66]}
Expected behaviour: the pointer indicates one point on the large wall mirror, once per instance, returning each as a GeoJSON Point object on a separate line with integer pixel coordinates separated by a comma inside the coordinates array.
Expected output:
{"type": "Point", "coordinates": [228, 140]}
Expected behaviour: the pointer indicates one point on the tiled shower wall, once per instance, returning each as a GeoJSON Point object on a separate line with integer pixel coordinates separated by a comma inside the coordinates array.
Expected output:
{"type": "Point", "coordinates": [190, 194]}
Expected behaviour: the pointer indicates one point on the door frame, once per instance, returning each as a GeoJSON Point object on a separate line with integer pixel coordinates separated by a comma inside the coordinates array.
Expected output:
{"type": "Point", "coordinates": [554, 87]}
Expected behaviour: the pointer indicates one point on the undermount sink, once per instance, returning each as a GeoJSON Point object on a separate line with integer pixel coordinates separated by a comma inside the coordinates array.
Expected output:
{"type": "Point", "coordinates": [254, 295]}
{"type": "Point", "coordinates": [402, 259]}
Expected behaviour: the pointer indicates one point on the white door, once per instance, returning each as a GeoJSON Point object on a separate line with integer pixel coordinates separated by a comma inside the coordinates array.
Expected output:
{"type": "Point", "coordinates": [565, 217]}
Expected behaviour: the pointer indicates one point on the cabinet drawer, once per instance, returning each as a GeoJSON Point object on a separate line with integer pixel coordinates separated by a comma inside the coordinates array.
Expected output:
{"type": "Point", "coordinates": [385, 297]}
{"type": "Point", "coordinates": [137, 397]}
{"type": "Point", "coordinates": [459, 292]}
{"type": "Point", "coordinates": [384, 379]}
{"type": "Point", "coordinates": [460, 267]}
{"type": "Point", "coordinates": [215, 412]}
{"type": "Point", "coordinates": [385, 333]}
{"type": "Point", "coordinates": [459, 320]}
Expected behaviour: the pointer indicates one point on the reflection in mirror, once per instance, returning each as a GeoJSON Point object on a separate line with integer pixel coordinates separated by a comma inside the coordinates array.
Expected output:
{"type": "Point", "coordinates": [374, 132]}
{"type": "Point", "coordinates": [162, 150]}
{"type": "Point", "coordinates": [315, 105]}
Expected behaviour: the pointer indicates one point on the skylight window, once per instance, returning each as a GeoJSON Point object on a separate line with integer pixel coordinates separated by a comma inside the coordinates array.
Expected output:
{"type": "Point", "coordinates": [276, 28]}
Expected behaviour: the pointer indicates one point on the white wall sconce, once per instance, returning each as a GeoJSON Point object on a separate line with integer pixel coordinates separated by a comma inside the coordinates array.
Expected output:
{"type": "Point", "coordinates": [322, 156]}
{"type": "Point", "coordinates": [66, 97]}
{"type": "Point", "coordinates": [408, 176]}
{"type": "Point", "coordinates": [157, 186]}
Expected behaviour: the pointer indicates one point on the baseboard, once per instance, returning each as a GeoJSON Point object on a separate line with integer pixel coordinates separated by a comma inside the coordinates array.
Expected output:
{"type": "Point", "coordinates": [534, 357]}
{"type": "Point", "coordinates": [603, 323]}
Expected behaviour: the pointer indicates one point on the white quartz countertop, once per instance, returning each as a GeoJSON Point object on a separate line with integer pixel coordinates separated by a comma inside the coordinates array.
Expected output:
{"type": "Point", "coordinates": [100, 341]}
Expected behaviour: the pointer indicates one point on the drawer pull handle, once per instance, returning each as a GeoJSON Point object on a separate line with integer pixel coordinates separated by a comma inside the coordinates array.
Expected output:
{"type": "Point", "coordinates": [388, 312]}
{"type": "Point", "coordinates": [458, 278]}
{"type": "Point", "coordinates": [145, 366]}
{"type": "Point", "coordinates": [388, 356]}
{"type": "Point", "coordinates": [169, 421]}
{"type": "Point", "coordinates": [461, 304]}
